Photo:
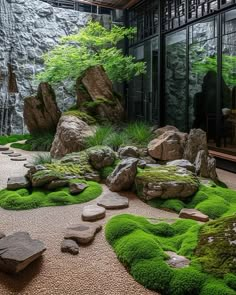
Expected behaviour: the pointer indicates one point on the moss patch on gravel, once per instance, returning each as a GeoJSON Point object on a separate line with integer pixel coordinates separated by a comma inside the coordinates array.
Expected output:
{"type": "Point", "coordinates": [24, 199]}
{"type": "Point", "coordinates": [140, 246]}
{"type": "Point", "coordinates": [5, 139]}
{"type": "Point", "coordinates": [214, 201]}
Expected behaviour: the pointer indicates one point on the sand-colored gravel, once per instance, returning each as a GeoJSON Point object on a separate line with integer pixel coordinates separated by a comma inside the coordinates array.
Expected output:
{"type": "Point", "coordinates": [95, 271]}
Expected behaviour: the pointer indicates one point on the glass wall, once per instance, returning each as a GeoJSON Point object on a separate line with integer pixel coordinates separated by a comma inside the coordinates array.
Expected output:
{"type": "Point", "coordinates": [176, 79]}
{"type": "Point", "coordinates": [228, 98]}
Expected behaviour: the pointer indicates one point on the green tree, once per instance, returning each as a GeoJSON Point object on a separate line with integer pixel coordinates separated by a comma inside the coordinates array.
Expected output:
{"type": "Point", "coordinates": [93, 45]}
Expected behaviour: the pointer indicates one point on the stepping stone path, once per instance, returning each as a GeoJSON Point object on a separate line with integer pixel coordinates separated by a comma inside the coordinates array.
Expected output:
{"type": "Point", "coordinates": [14, 155]}
{"type": "Point", "coordinates": [19, 159]}
{"type": "Point", "coordinates": [70, 246]}
{"type": "Point", "coordinates": [14, 183]}
{"type": "Point", "coordinates": [27, 165]}
{"type": "Point", "coordinates": [8, 152]}
{"type": "Point", "coordinates": [176, 260]}
{"type": "Point", "coordinates": [3, 148]}
{"type": "Point", "coordinates": [193, 214]}
{"type": "Point", "coordinates": [93, 213]}
{"type": "Point", "coordinates": [18, 250]}
{"type": "Point", "coordinates": [112, 200]}
{"type": "Point", "coordinates": [83, 233]}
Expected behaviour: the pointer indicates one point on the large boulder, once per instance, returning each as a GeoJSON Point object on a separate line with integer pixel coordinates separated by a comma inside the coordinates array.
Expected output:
{"type": "Point", "coordinates": [70, 136]}
{"type": "Point", "coordinates": [128, 151]}
{"type": "Point", "coordinates": [98, 87]}
{"type": "Point", "coordinates": [41, 112]}
{"type": "Point", "coordinates": [158, 132]}
{"type": "Point", "coordinates": [182, 163]}
{"type": "Point", "coordinates": [18, 250]}
{"type": "Point", "coordinates": [168, 147]}
{"type": "Point", "coordinates": [197, 141]}
{"type": "Point", "coordinates": [166, 182]}
{"type": "Point", "coordinates": [206, 165]}
{"type": "Point", "coordinates": [122, 178]}
{"type": "Point", "coordinates": [216, 246]}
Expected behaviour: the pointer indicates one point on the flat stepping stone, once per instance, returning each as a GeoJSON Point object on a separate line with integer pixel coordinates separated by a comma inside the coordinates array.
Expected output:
{"type": "Point", "coordinates": [83, 233]}
{"type": "Point", "coordinates": [176, 260]}
{"type": "Point", "coordinates": [93, 213]}
{"type": "Point", "coordinates": [28, 166]}
{"type": "Point", "coordinates": [193, 214]}
{"type": "Point", "coordinates": [112, 200]}
{"type": "Point", "coordinates": [69, 246]}
{"type": "Point", "coordinates": [3, 148]}
{"type": "Point", "coordinates": [8, 152]}
{"type": "Point", "coordinates": [14, 155]}
{"type": "Point", "coordinates": [14, 183]}
{"type": "Point", "coordinates": [18, 250]}
{"type": "Point", "coordinates": [18, 159]}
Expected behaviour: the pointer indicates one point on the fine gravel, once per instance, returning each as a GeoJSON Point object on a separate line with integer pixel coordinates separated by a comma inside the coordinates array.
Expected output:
{"type": "Point", "coordinates": [95, 271]}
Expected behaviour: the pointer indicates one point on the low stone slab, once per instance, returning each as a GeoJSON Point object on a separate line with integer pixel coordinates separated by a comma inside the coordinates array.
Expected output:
{"type": "Point", "coordinates": [93, 213]}
{"type": "Point", "coordinates": [193, 214]}
{"type": "Point", "coordinates": [83, 233]}
{"type": "Point", "coordinates": [27, 165]}
{"type": "Point", "coordinates": [176, 260]}
{"type": "Point", "coordinates": [56, 184]}
{"type": "Point", "coordinates": [8, 152]}
{"type": "Point", "coordinates": [112, 200]}
{"type": "Point", "coordinates": [14, 183]}
{"type": "Point", "coordinates": [18, 250]}
{"type": "Point", "coordinates": [69, 246]}
{"type": "Point", "coordinates": [3, 148]}
{"type": "Point", "coordinates": [18, 159]}
{"type": "Point", "coordinates": [15, 155]}
{"type": "Point", "coordinates": [76, 188]}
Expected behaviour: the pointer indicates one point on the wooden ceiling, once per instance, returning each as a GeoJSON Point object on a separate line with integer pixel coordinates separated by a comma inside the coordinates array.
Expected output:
{"type": "Point", "coordinates": [116, 4]}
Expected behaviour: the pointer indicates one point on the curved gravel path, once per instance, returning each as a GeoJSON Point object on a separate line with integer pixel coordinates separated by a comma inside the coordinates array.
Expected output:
{"type": "Point", "coordinates": [95, 271]}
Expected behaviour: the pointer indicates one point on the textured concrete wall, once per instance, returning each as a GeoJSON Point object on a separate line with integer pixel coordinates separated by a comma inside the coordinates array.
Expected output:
{"type": "Point", "coordinates": [28, 28]}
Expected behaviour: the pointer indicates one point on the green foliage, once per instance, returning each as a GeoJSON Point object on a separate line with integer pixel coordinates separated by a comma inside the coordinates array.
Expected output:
{"type": "Point", "coordinates": [91, 46]}
{"type": "Point", "coordinates": [40, 142]}
{"type": "Point", "coordinates": [140, 246]}
{"type": "Point", "coordinates": [106, 171]}
{"type": "Point", "coordinates": [27, 199]}
{"type": "Point", "coordinates": [230, 280]}
{"type": "Point", "coordinates": [22, 146]}
{"type": "Point", "coordinates": [42, 159]}
{"type": "Point", "coordinates": [214, 201]}
{"type": "Point", "coordinates": [81, 115]}
{"type": "Point", "coordinates": [5, 139]}
{"type": "Point", "coordinates": [137, 133]}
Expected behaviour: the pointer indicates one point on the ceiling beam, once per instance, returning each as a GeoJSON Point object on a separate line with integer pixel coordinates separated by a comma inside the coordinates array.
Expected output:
{"type": "Point", "coordinates": [116, 4]}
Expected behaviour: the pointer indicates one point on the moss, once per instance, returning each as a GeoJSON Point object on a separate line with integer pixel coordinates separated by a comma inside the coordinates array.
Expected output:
{"type": "Point", "coordinates": [140, 246]}
{"type": "Point", "coordinates": [167, 173]}
{"type": "Point", "coordinates": [212, 200]}
{"type": "Point", "coordinates": [24, 199]}
{"type": "Point", "coordinates": [216, 287]}
{"type": "Point", "coordinates": [81, 115]}
{"type": "Point", "coordinates": [230, 280]}
{"type": "Point", "coordinates": [22, 146]}
{"type": "Point", "coordinates": [216, 249]}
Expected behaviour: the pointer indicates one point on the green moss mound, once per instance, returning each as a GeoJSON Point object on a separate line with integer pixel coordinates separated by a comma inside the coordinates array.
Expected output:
{"type": "Point", "coordinates": [141, 245]}
{"type": "Point", "coordinates": [214, 201]}
{"type": "Point", "coordinates": [5, 139]}
{"type": "Point", "coordinates": [22, 146]}
{"type": "Point", "coordinates": [24, 199]}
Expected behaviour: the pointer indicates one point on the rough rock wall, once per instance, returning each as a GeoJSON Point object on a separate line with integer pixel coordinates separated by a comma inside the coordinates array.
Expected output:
{"type": "Point", "coordinates": [28, 28]}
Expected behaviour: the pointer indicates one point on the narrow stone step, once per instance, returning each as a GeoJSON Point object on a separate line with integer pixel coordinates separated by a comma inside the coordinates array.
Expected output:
{"type": "Point", "coordinates": [3, 148]}
{"type": "Point", "coordinates": [8, 152]}
{"type": "Point", "coordinates": [19, 159]}
{"type": "Point", "coordinates": [14, 155]}
{"type": "Point", "coordinates": [193, 214]}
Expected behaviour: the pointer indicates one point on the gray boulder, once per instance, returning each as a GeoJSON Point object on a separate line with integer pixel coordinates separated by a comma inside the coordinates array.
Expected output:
{"type": "Point", "coordinates": [122, 178]}
{"type": "Point", "coordinates": [15, 183]}
{"type": "Point", "coordinates": [101, 156]}
{"type": "Point", "coordinates": [18, 250]}
{"type": "Point", "coordinates": [205, 165]}
{"type": "Point", "coordinates": [182, 163]}
{"type": "Point", "coordinates": [128, 151]}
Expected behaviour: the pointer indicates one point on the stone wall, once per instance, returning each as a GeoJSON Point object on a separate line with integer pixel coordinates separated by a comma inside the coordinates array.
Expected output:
{"type": "Point", "coordinates": [29, 28]}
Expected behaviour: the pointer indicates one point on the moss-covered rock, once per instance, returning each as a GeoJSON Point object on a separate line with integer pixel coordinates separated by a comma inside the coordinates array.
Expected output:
{"type": "Point", "coordinates": [217, 246]}
{"type": "Point", "coordinates": [165, 182]}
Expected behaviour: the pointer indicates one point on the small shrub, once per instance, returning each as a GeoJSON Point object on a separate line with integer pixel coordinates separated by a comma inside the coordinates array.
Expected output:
{"type": "Point", "coordinates": [42, 159]}
{"type": "Point", "coordinates": [138, 133]}
{"type": "Point", "coordinates": [41, 142]}
{"type": "Point", "coordinates": [100, 136]}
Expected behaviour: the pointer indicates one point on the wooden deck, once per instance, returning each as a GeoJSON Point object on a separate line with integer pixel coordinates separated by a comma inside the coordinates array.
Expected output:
{"type": "Point", "coordinates": [222, 155]}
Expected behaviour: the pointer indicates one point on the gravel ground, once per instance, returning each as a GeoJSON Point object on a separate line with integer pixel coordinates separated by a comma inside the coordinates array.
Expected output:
{"type": "Point", "coordinates": [95, 271]}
